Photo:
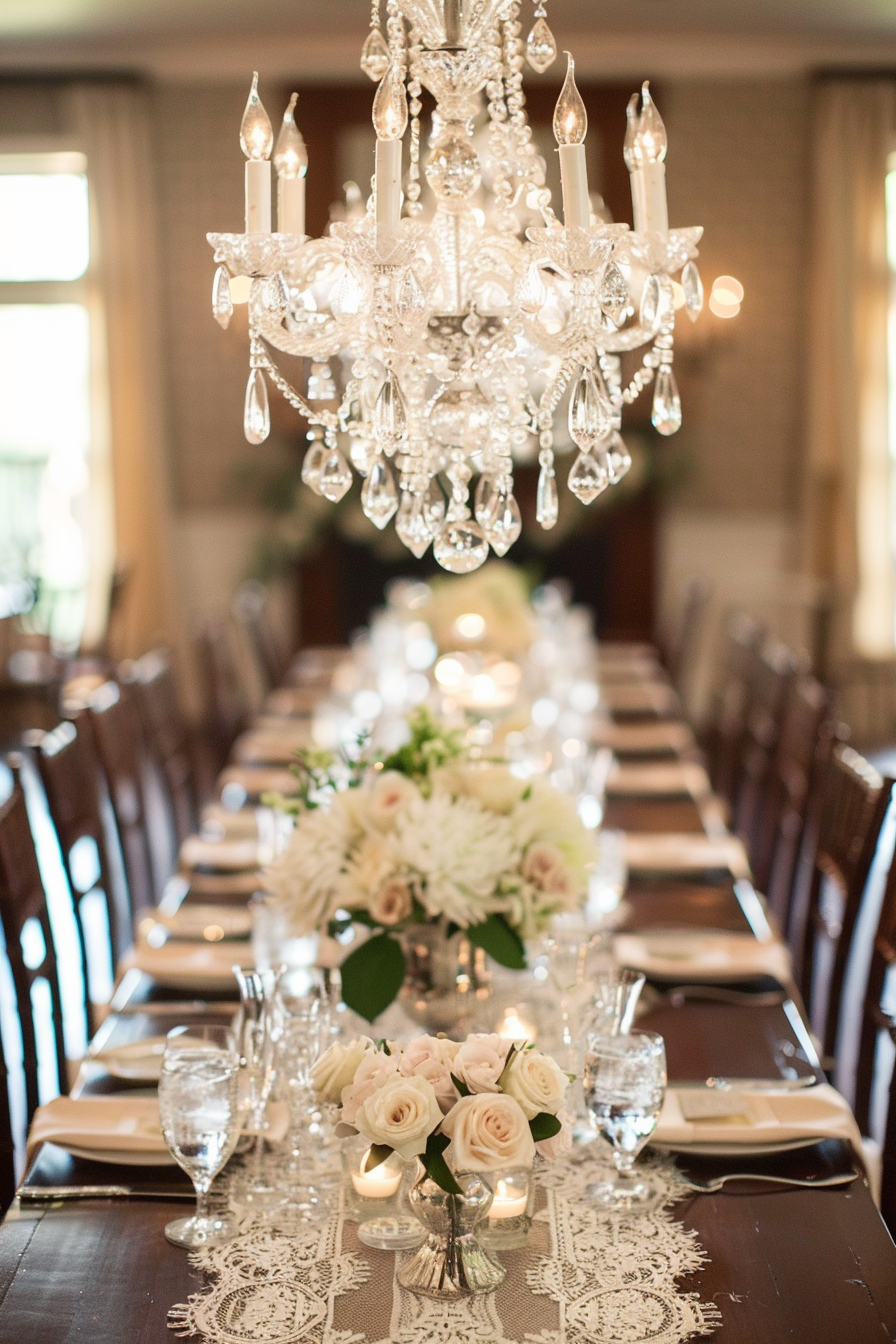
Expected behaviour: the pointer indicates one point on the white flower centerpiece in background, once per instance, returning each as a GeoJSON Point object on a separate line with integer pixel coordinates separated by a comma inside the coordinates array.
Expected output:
{"type": "Point", "coordinates": [470, 1111]}
{"type": "Point", "coordinates": [490, 609]}
{"type": "Point", "coordinates": [426, 837]}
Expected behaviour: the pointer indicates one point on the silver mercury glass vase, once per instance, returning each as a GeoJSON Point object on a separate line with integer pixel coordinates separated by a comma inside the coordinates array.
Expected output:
{"type": "Point", "coordinates": [446, 980]}
{"type": "Point", "coordinates": [452, 1262]}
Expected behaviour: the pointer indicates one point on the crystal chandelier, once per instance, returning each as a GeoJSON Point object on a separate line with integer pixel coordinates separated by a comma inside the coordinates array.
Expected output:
{"type": "Point", "coordinates": [444, 332]}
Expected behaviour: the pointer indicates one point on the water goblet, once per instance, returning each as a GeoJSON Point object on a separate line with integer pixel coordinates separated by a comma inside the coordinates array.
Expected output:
{"type": "Point", "coordinates": [624, 1084]}
{"type": "Point", "coordinates": [200, 1118]}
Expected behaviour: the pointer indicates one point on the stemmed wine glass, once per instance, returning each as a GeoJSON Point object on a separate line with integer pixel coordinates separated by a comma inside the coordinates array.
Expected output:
{"type": "Point", "coordinates": [573, 954]}
{"type": "Point", "coordinates": [259, 1032]}
{"type": "Point", "coordinates": [303, 1012]}
{"type": "Point", "coordinates": [200, 1118]}
{"type": "Point", "coordinates": [624, 1084]}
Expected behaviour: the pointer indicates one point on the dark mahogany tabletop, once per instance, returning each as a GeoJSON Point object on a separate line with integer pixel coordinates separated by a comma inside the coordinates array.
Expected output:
{"type": "Point", "coordinates": [818, 1267]}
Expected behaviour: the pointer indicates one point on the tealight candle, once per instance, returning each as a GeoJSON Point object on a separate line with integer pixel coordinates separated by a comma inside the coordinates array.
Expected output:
{"type": "Point", "coordinates": [381, 1182]}
{"type": "Point", "coordinates": [508, 1201]}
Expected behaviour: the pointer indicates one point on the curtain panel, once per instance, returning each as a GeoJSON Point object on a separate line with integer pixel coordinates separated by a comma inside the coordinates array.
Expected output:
{"type": "Point", "coordinates": [846, 496]}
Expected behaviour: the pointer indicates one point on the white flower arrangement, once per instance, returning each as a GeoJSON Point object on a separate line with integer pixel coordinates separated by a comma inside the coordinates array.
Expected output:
{"type": "Point", "coordinates": [499, 593]}
{"type": "Point", "coordinates": [483, 1104]}
{"type": "Point", "coordinates": [427, 835]}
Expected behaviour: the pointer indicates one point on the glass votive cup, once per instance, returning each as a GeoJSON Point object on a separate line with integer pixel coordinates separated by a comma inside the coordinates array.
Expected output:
{"type": "Point", "coordinates": [375, 1198]}
{"type": "Point", "coordinates": [510, 1215]}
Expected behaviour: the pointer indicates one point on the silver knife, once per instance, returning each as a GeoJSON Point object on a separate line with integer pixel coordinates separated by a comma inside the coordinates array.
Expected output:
{"type": "Point", "coordinates": [717, 1084]}
{"type": "Point", "coordinates": [39, 1194]}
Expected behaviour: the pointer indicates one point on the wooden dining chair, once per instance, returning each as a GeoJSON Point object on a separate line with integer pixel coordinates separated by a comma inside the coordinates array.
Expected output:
{"type": "Point", "coordinates": [118, 737]}
{"type": "Point", "coordinates": [681, 647]}
{"type": "Point", "coordinates": [853, 803]}
{"type": "Point", "coordinates": [724, 738]}
{"type": "Point", "coordinates": [251, 611]}
{"type": "Point", "coordinates": [875, 1092]}
{"type": "Point", "coordinates": [30, 952]}
{"type": "Point", "coordinates": [226, 701]}
{"type": "Point", "coordinates": [800, 760]}
{"type": "Point", "coordinates": [81, 812]}
{"type": "Point", "coordinates": [152, 681]}
{"type": "Point", "coordinates": [773, 672]}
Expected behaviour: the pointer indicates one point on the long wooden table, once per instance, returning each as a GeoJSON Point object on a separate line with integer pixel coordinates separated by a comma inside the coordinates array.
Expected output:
{"type": "Point", "coordinates": [783, 1265]}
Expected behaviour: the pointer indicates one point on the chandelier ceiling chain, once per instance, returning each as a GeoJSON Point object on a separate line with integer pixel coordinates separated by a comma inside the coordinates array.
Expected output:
{"type": "Point", "coordinates": [444, 331]}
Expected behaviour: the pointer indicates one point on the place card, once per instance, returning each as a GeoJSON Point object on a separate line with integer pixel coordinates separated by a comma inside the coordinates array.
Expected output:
{"type": "Point", "coordinates": [710, 1104]}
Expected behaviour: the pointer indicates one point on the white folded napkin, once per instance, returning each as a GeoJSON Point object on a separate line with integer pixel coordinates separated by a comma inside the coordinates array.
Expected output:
{"type": "Point", "coordinates": [644, 737]}
{"type": "Point", "coordinates": [293, 700]}
{"type": "Point", "coordinates": [208, 923]}
{"type": "Point", "coordinates": [670, 851]}
{"type": "Point", "coordinates": [702, 953]}
{"type": "Point", "coordinates": [217, 885]}
{"type": "Point", "coordinates": [273, 748]}
{"type": "Point", "coordinates": [649, 697]}
{"type": "Point", "coordinates": [258, 779]}
{"type": "Point", "coordinates": [233, 856]}
{"type": "Point", "coordinates": [220, 823]}
{"type": "Point", "coordinates": [660, 780]}
{"type": "Point", "coordinates": [189, 965]}
{"type": "Point", "coordinates": [766, 1117]}
{"type": "Point", "coordinates": [124, 1123]}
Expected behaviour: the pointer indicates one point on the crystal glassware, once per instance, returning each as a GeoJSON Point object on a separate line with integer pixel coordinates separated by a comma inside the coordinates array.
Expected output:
{"type": "Point", "coordinates": [259, 1030]}
{"type": "Point", "coordinates": [302, 1009]}
{"type": "Point", "coordinates": [624, 1084]}
{"type": "Point", "coordinates": [200, 1118]}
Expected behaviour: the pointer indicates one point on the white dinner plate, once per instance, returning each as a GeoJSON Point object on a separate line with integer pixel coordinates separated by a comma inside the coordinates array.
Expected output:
{"type": "Point", "coordinates": [138, 1061]}
{"type": "Point", "coordinates": [738, 1149]}
{"type": "Point", "coordinates": [118, 1156]}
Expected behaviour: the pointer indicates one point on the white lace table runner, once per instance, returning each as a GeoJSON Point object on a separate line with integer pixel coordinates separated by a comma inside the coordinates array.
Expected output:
{"type": "Point", "coordinates": [586, 1277]}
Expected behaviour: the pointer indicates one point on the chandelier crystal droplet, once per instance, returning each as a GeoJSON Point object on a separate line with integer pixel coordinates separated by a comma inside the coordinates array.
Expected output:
{"type": "Point", "coordinates": [447, 338]}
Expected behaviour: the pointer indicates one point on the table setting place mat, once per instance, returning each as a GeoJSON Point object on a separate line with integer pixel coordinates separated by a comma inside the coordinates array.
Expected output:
{"type": "Point", "coordinates": [694, 1117]}
{"type": "Point", "coordinates": [224, 886]}
{"type": "Point", "coordinates": [257, 747]}
{"type": "Point", "coordinates": [647, 697]}
{"type": "Point", "coordinates": [183, 965]}
{"type": "Point", "coordinates": [684, 954]}
{"type": "Point", "coordinates": [670, 779]}
{"type": "Point", "coordinates": [219, 856]}
{"type": "Point", "coordinates": [255, 780]}
{"type": "Point", "coordinates": [292, 701]}
{"type": "Point", "coordinates": [223, 823]}
{"type": "Point", "coordinates": [632, 739]}
{"type": "Point", "coordinates": [206, 922]}
{"type": "Point", "coordinates": [681, 852]}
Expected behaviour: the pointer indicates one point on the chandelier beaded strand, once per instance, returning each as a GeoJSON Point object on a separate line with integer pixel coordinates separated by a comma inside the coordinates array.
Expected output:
{"type": "Point", "coordinates": [446, 324]}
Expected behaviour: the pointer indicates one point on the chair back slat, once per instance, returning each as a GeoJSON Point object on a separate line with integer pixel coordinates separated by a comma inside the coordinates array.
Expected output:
{"type": "Point", "coordinates": [118, 737]}
{"type": "Point", "coordinates": [23, 911]}
{"type": "Point", "coordinates": [725, 734]}
{"type": "Point", "coordinates": [251, 612]}
{"type": "Point", "coordinates": [225, 696]}
{"type": "Point", "coordinates": [878, 1023]}
{"type": "Point", "coordinates": [852, 808]}
{"type": "Point", "coordinates": [802, 751]}
{"type": "Point", "coordinates": [773, 674]}
{"type": "Point", "coordinates": [152, 681]}
{"type": "Point", "coordinates": [81, 812]}
{"type": "Point", "coordinates": [682, 645]}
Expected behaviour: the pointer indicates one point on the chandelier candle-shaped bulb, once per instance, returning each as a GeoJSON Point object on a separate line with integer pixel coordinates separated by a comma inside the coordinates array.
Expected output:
{"type": "Point", "coordinates": [570, 127]}
{"type": "Point", "coordinates": [645, 153]}
{"type": "Point", "coordinates": [257, 141]}
{"type": "Point", "coordinates": [390, 119]}
{"type": "Point", "coordinates": [291, 163]}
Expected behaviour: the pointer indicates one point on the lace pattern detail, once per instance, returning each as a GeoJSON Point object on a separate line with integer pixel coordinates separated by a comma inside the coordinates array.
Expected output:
{"type": "Point", "coordinates": [587, 1277]}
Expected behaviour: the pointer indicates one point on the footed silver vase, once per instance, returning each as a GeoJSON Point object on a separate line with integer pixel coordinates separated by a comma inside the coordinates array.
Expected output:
{"type": "Point", "coordinates": [452, 1262]}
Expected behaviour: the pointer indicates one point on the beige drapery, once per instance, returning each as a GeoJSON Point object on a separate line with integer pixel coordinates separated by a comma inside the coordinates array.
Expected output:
{"type": "Point", "coordinates": [847, 485]}
{"type": "Point", "coordinates": [111, 124]}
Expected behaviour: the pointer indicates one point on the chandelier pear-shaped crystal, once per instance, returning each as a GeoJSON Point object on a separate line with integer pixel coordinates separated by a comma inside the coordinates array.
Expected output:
{"type": "Point", "coordinates": [445, 323]}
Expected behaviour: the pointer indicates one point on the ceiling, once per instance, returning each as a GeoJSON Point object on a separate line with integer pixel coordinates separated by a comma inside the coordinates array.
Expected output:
{"type": "Point", "coordinates": [198, 39]}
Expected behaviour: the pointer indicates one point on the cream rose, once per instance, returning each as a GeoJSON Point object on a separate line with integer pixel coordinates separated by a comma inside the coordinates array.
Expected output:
{"type": "Point", "coordinates": [537, 1082]}
{"type": "Point", "coordinates": [372, 1073]}
{"type": "Point", "coordinates": [488, 1133]}
{"type": "Point", "coordinates": [392, 902]}
{"type": "Point", "coordinates": [390, 794]}
{"type": "Point", "coordinates": [337, 1067]}
{"type": "Point", "coordinates": [402, 1114]}
{"type": "Point", "coordinates": [545, 867]}
{"type": "Point", "coordinates": [480, 1061]}
{"type": "Point", "coordinates": [432, 1057]}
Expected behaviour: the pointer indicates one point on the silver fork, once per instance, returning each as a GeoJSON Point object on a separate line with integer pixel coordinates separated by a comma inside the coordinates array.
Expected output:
{"type": "Point", "coordinates": [820, 1182]}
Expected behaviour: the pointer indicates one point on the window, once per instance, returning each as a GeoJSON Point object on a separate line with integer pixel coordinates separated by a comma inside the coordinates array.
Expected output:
{"type": "Point", "coordinates": [47, 377]}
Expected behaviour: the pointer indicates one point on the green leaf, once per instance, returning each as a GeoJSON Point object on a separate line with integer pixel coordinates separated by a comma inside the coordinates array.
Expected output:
{"type": "Point", "coordinates": [372, 975]}
{"type": "Point", "coordinates": [544, 1126]}
{"type": "Point", "coordinates": [495, 936]}
{"type": "Point", "coordinates": [377, 1154]}
{"type": "Point", "coordinates": [436, 1166]}
{"type": "Point", "coordinates": [460, 1085]}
